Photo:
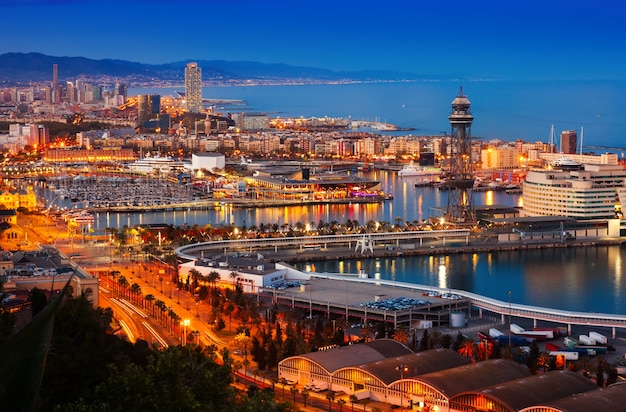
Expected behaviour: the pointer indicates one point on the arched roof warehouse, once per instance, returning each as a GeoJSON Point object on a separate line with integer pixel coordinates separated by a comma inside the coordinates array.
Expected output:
{"type": "Point", "coordinates": [352, 355]}
{"type": "Point", "coordinates": [474, 376]}
{"type": "Point", "coordinates": [522, 393]}
{"type": "Point", "coordinates": [388, 370]}
{"type": "Point", "coordinates": [319, 366]}
{"type": "Point", "coordinates": [610, 398]}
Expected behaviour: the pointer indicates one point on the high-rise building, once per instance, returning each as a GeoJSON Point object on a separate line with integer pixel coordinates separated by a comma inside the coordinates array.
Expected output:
{"type": "Point", "coordinates": [39, 135]}
{"type": "Point", "coordinates": [568, 141]}
{"type": "Point", "coordinates": [55, 75]}
{"type": "Point", "coordinates": [193, 88]}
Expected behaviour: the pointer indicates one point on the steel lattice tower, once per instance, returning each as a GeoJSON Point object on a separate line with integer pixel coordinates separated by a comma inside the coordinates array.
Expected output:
{"type": "Point", "coordinates": [460, 181]}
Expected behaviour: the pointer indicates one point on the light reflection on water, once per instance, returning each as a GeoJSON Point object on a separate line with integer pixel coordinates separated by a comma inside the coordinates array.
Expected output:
{"type": "Point", "coordinates": [581, 279]}
{"type": "Point", "coordinates": [586, 279]}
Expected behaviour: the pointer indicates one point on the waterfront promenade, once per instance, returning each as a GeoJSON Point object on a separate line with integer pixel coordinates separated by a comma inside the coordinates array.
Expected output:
{"type": "Point", "coordinates": [432, 243]}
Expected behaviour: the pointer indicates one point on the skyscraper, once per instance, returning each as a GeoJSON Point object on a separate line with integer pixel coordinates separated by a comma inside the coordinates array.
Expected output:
{"type": "Point", "coordinates": [193, 88]}
{"type": "Point", "coordinates": [55, 75]}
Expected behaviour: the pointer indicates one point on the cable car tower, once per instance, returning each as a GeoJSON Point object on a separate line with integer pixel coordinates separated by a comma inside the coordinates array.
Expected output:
{"type": "Point", "coordinates": [460, 180]}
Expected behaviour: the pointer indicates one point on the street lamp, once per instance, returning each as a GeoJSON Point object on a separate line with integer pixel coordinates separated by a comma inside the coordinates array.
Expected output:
{"type": "Point", "coordinates": [509, 293]}
{"type": "Point", "coordinates": [185, 323]}
{"type": "Point", "coordinates": [403, 369]}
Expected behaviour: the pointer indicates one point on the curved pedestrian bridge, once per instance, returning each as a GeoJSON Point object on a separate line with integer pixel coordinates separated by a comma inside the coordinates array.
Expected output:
{"type": "Point", "coordinates": [442, 237]}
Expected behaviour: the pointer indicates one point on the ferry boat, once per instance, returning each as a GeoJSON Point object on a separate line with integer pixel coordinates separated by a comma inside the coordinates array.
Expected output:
{"type": "Point", "coordinates": [419, 171]}
{"type": "Point", "coordinates": [159, 164]}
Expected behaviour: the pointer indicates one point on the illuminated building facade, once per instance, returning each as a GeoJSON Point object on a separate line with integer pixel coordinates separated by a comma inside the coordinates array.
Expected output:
{"type": "Point", "coordinates": [591, 193]}
{"type": "Point", "coordinates": [193, 88]}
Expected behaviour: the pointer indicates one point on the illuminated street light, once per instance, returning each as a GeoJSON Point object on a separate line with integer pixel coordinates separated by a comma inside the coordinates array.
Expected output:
{"type": "Point", "coordinates": [403, 369]}
{"type": "Point", "coordinates": [185, 323]}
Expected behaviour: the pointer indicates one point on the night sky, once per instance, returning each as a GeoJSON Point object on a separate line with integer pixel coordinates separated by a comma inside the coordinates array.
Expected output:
{"type": "Point", "coordinates": [534, 39]}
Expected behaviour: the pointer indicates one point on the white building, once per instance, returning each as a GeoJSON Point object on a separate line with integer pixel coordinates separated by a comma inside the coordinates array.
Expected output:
{"type": "Point", "coordinates": [208, 161]}
{"type": "Point", "coordinates": [591, 193]}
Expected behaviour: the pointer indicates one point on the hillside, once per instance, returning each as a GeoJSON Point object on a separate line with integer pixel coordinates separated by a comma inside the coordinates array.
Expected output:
{"type": "Point", "coordinates": [21, 68]}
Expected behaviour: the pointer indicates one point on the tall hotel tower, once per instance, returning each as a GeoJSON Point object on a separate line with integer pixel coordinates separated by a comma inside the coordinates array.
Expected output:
{"type": "Point", "coordinates": [193, 88]}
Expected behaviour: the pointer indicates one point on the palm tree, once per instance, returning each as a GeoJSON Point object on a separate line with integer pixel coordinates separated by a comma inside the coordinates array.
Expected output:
{"type": "Point", "coordinates": [305, 395]}
{"type": "Point", "coordinates": [341, 402]}
{"type": "Point", "coordinates": [468, 348]}
{"type": "Point", "coordinates": [233, 276]}
{"type": "Point", "coordinates": [331, 397]}
{"type": "Point", "coordinates": [294, 392]}
{"type": "Point", "coordinates": [150, 298]}
{"type": "Point", "coordinates": [123, 282]}
{"type": "Point", "coordinates": [135, 289]}
{"type": "Point", "coordinates": [283, 382]}
{"type": "Point", "coordinates": [212, 277]}
{"type": "Point", "coordinates": [353, 400]}
{"type": "Point", "coordinates": [162, 308]}
{"type": "Point", "coordinates": [543, 361]}
{"type": "Point", "coordinates": [401, 336]}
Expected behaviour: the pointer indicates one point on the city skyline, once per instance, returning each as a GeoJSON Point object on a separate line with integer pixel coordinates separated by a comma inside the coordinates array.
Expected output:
{"type": "Point", "coordinates": [532, 40]}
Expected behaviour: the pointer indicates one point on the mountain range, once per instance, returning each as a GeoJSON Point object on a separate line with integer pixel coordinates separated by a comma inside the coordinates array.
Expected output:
{"type": "Point", "coordinates": [20, 68]}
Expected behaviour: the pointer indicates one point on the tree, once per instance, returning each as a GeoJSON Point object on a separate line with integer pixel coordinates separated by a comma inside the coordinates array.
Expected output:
{"type": "Point", "coordinates": [305, 395]}
{"type": "Point", "coordinates": [331, 397]}
{"type": "Point", "coordinates": [150, 298]}
{"type": "Point", "coordinates": [38, 300]}
{"type": "Point", "coordinates": [294, 392]}
{"type": "Point", "coordinates": [543, 361]}
{"type": "Point", "coordinates": [283, 382]}
{"type": "Point", "coordinates": [341, 402]}
{"type": "Point", "coordinates": [401, 336]}
{"type": "Point", "coordinates": [353, 400]}
{"type": "Point", "coordinates": [468, 348]}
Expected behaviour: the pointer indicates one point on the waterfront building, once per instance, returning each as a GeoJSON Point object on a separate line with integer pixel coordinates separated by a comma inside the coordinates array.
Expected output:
{"type": "Point", "coordinates": [386, 371]}
{"type": "Point", "coordinates": [81, 155]}
{"type": "Point", "coordinates": [601, 159]}
{"type": "Point", "coordinates": [590, 193]}
{"type": "Point", "coordinates": [193, 87]}
{"type": "Point", "coordinates": [209, 161]}
{"type": "Point", "coordinates": [568, 141]}
{"type": "Point", "coordinates": [500, 158]}
{"type": "Point", "coordinates": [14, 199]}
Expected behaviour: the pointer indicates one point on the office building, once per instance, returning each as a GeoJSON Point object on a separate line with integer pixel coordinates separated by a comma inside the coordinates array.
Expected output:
{"type": "Point", "coordinates": [193, 88]}
{"type": "Point", "coordinates": [568, 141]}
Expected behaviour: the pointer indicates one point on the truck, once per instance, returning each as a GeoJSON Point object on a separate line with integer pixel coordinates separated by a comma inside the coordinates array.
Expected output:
{"type": "Point", "coordinates": [362, 394]}
{"type": "Point", "coordinates": [494, 333]}
{"type": "Point", "coordinates": [566, 354]}
{"type": "Point", "coordinates": [536, 334]}
{"type": "Point", "coordinates": [598, 337]}
{"type": "Point", "coordinates": [319, 386]}
{"type": "Point", "coordinates": [586, 340]}
{"type": "Point", "coordinates": [504, 340]}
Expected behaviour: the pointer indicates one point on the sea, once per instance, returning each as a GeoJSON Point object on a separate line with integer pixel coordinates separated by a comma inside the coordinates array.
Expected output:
{"type": "Point", "coordinates": [504, 110]}
{"type": "Point", "coordinates": [578, 279]}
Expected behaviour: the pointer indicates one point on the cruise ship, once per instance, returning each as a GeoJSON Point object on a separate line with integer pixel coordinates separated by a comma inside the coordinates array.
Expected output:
{"type": "Point", "coordinates": [419, 171]}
